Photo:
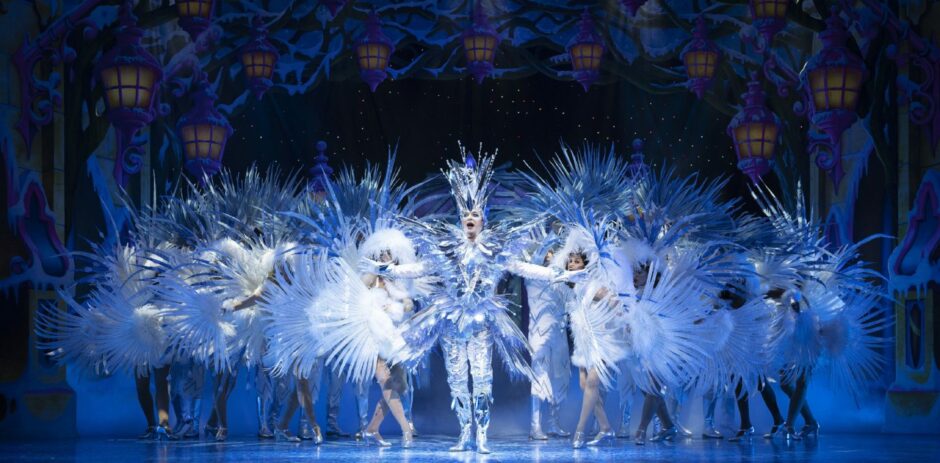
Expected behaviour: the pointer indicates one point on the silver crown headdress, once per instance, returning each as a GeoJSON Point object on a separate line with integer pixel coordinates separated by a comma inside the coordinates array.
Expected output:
{"type": "Point", "coordinates": [470, 180]}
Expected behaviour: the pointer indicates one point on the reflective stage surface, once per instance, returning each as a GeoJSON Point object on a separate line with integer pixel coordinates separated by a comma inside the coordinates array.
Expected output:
{"type": "Point", "coordinates": [828, 448]}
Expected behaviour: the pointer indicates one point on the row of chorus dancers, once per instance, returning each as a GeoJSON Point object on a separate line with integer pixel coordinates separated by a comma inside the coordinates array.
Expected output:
{"type": "Point", "coordinates": [179, 300]}
{"type": "Point", "coordinates": [666, 289]}
{"type": "Point", "coordinates": [708, 299]}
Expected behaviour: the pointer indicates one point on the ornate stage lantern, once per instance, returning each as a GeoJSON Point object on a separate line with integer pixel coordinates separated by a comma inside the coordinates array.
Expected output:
{"type": "Point", "coordinates": [637, 167]}
{"type": "Point", "coordinates": [754, 130]}
{"type": "Point", "coordinates": [373, 50]}
{"type": "Point", "coordinates": [769, 17]}
{"type": "Point", "coordinates": [701, 59]}
{"type": "Point", "coordinates": [586, 49]}
{"type": "Point", "coordinates": [259, 58]}
{"type": "Point", "coordinates": [203, 132]}
{"type": "Point", "coordinates": [321, 173]}
{"type": "Point", "coordinates": [479, 43]}
{"type": "Point", "coordinates": [195, 16]}
{"type": "Point", "coordinates": [633, 6]}
{"type": "Point", "coordinates": [833, 80]}
{"type": "Point", "coordinates": [130, 77]}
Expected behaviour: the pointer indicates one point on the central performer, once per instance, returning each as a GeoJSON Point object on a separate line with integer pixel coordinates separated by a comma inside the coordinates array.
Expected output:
{"type": "Point", "coordinates": [467, 314]}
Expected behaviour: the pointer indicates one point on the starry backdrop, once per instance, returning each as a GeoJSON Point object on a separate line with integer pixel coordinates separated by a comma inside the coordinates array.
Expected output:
{"type": "Point", "coordinates": [524, 119]}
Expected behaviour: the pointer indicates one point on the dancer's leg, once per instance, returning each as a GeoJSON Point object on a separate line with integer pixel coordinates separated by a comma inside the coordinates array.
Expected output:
{"type": "Point", "coordinates": [591, 402]}
{"type": "Point", "coordinates": [162, 385]}
{"type": "Point", "coordinates": [145, 399]}
{"type": "Point", "coordinates": [805, 411]}
{"type": "Point", "coordinates": [392, 384]}
{"type": "Point", "coordinates": [288, 413]}
{"type": "Point", "coordinates": [709, 402]}
{"type": "Point", "coordinates": [334, 397]}
{"type": "Point", "coordinates": [458, 378]}
{"type": "Point", "coordinates": [480, 356]}
{"type": "Point", "coordinates": [746, 430]}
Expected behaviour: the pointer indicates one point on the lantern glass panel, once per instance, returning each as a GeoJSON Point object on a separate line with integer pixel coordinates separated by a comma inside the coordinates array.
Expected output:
{"type": "Point", "coordinates": [479, 47]}
{"type": "Point", "coordinates": [586, 56]}
{"type": "Point", "coordinates": [193, 8]}
{"type": "Point", "coordinates": [190, 149]}
{"type": "Point", "coordinates": [258, 64]}
{"type": "Point", "coordinates": [765, 9]}
{"type": "Point", "coordinates": [489, 48]}
{"type": "Point", "coordinates": [853, 83]}
{"type": "Point", "coordinates": [217, 135]}
{"type": "Point", "coordinates": [701, 64]}
{"type": "Point", "coordinates": [756, 140]}
{"type": "Point", "coordinates": [373, 56]}
{"type": "Point", "coordinates": [835, 87]}
{"type": "Point", "coordinates": [128, 86]}
{"type": "Point", "coordinates": [203, 140]}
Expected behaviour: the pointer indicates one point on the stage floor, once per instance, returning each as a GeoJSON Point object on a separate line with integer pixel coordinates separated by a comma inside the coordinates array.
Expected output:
{"type": "Point", "coordinates": [828, 448]}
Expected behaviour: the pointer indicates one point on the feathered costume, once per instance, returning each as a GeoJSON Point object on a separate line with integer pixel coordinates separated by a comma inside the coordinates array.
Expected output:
{"type": "Point", "coordinates": [321, 307]}
{"type": "Point", "coordinates": [465, 312]}
{"type": "Point", "coordinates": [834, 311]}
{"type": "Point", "coordinates": [238, 241]}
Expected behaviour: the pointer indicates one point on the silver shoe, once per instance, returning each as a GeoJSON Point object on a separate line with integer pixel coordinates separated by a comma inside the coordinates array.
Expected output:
{"type": "Point", "coordinates": [185, 430]}
{"type": "Point", "coordinates": [193, 431]}
{"type": "Point", "coordinates": [810, 431]}
{"type": "Point", "coordinates": [743, 435]}
{"type": "Point", "coordinates": [554, 429]}
{"type": "Point", "coordinates": [775, 431]}
{"type": "Point", "coordinates": [162, 434]}
{"type": "Point", "coordinates": [221, 434]}
{"type": "Point", "coordinates": [790, 434]}
{"type": "Point", "coordinates": [667, 434]}
{"type": "Point", "coordinates": [148, 433]}
{"type": "Point", "coordinates": [537, 434]}
{"type": "Point", "coordinates": [624, 431]}
{"type": "Point", "coordinates": [603, 437]}
{"type": "Point", "coordinates": [578, 440]}
{"type": "Point", "coordinates": [710, 431]}
{"type": "Point", "coordinates": [306, 431]}
{"type": "Point", "coordinates": [282, 435]}
{"type": "Point", "coordinates": [335, 431]}
{"type": "Point", "coordinates": [374, 438]}
{"type": "Point", "coordinates": [640, 437]}
{"type": "Point", "coordinates": [411, 425]}
{"type": "Point", "coordinates": [265, 433]}
{"type": "Point", "coordinates": [407, 440]}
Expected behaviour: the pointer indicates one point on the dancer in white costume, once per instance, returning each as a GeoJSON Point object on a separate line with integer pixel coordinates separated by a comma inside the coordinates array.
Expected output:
{"type": "Point", "coordinates": [336, 306]}
{"type": "Point", "coordinates": [550, 354]}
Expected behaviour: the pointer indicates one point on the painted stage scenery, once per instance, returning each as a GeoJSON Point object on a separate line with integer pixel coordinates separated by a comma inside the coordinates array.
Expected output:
{"type": "Point", "coordinates": [461, 230]}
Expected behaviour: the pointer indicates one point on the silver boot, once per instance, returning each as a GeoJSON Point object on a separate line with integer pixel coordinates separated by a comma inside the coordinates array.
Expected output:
{"type": "Point", "coordinates": [535, 432]}
{"type": "Point", "coordinates": [555, 429]}
{"type": "Point", "coordinates": [674, 408]}
{"type": "Point", "coordinates": [462, 408]}
{"type": "Point", "coordinates": [709, 401]}
{"type": "Point", "coordinates": [264, 432]}
{"type": "Point", "coordinates": [306, 430]}
{"type": "Point", "coordinates": [623, 432]}
{"type": "Point", "coordinates": [481, 414]}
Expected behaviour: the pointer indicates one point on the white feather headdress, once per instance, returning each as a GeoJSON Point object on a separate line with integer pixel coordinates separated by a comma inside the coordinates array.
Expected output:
{"type": "Point", "coordinates": [388, 239]}
{"type": "Point", "coordinates": [470, 180]}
